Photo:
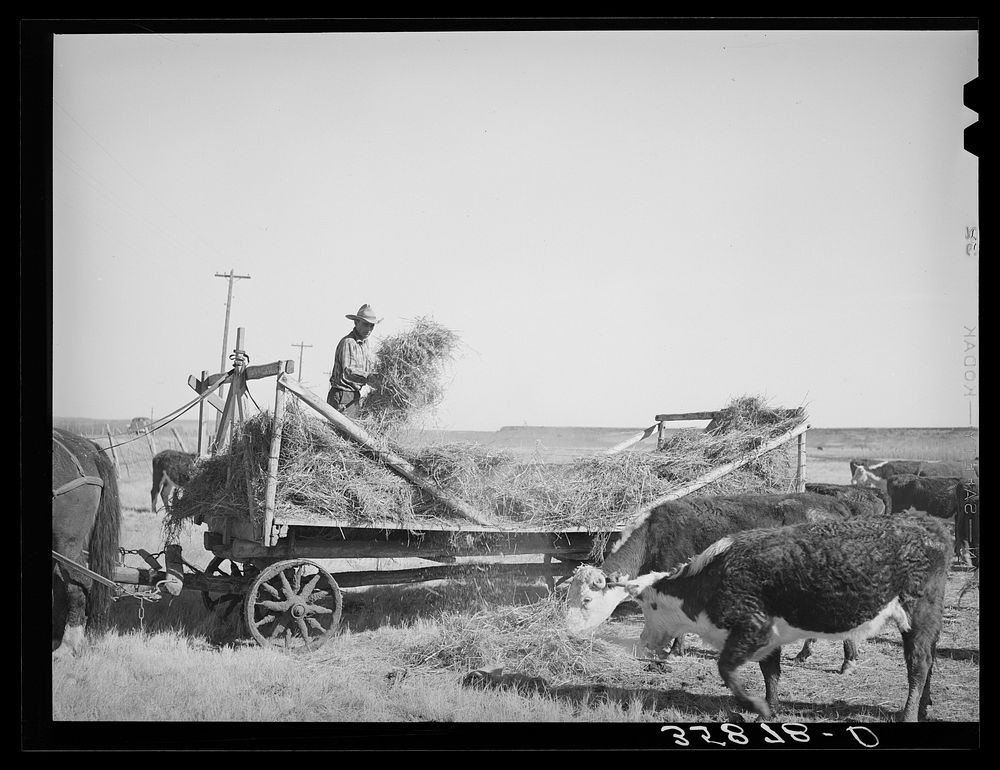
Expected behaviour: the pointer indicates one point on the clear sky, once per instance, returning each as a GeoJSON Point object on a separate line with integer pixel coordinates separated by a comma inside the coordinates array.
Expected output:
{"type": "Point", "coordinates": [617, 224]}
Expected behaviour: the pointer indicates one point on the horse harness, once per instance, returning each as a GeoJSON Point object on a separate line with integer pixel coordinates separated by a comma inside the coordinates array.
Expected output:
{"type": "Point", "coordinates": [79, 482]}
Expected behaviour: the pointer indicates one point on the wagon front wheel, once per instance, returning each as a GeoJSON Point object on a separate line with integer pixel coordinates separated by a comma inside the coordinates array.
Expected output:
{"type": "Point", "coordinates": [293, 605]}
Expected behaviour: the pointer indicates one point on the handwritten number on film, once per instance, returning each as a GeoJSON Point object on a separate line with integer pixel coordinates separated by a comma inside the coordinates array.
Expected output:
{"type": "Point", "coordinates": [793, 731]}
{"type": "Point", "coordinates": [971, 241]}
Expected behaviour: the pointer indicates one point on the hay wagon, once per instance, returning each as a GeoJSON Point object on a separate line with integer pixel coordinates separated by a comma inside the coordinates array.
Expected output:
{"type": "Point", "coordinates": [266, 563]}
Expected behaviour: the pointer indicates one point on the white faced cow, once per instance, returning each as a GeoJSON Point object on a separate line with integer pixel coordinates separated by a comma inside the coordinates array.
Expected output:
{"type": "Point", "coordinates": [748, 594]}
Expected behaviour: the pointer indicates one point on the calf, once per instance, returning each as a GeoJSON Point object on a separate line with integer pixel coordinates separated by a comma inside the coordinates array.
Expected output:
{"type": "Point", "coordinates": [748, 594]}
{"type": "Point", "coordinates": [171, 471]}
{"type": "Point", "coordinates": [967, 522]}
{"type": "Point", "coordinates": [862, 500]}
{"type": "Point", "coordinates": [675, 531]}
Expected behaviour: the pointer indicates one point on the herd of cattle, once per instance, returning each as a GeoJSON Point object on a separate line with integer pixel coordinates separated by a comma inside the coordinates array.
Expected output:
{"type": "Point", "coordinates": [946, 490]}
{"type": "Point", "coordinates": [750, 573]}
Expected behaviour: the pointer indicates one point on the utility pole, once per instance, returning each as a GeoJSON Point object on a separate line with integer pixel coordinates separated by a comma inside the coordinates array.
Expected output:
{"type": "Point", "coordinates": [300, 346]}
{"type": "Point", "coordinates": [231, 275]}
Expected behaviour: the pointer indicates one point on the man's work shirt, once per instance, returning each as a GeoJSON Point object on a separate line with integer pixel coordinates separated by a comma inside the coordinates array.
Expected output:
{"type": "Point", "coordinates": [352, 363]}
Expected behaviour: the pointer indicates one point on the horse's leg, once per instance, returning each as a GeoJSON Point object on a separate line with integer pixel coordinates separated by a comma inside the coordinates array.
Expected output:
{"type": "Point", "coordinates": [59, 603]}
{"type": "Point", "coordinates": [74, 631]}
{"type": "Point", "coordinates": [70, 537]}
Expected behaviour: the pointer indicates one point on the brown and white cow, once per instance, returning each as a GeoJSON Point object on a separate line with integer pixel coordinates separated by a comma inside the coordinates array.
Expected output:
{"type": "Point", "coordinates": [749, 593]}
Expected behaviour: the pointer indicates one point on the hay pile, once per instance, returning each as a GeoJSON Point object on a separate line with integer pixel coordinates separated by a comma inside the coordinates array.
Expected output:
{"type": "Point", "coordinates": [320, 474]}
{"type": "Point", "coordinates": [326, 478]}
{"type": "Point", "coordinates": [742, 427]}
{"type": "Point", "coordinates": [531, 640]}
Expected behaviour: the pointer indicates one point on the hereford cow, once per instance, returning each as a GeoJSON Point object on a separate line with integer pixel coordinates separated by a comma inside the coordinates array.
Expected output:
{"type": "Point", "coordinates": [748, 594]}
{"type": "Point", "coordinates": [862, 500]}
{"type": "Point", "coordinates": [967, 522]}
{"type": "Point", "coordinates": [677, 530]}
{"type": "Point", "coordinates": [171, 472]}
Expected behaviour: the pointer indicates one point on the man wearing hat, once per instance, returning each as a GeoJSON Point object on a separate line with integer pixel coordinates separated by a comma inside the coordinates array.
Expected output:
{"type": "Point", "coordinates": [353, 363]}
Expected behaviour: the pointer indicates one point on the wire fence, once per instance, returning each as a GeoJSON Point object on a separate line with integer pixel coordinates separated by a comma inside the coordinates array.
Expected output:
{"type": "Point", "coordinates": [132, 449]}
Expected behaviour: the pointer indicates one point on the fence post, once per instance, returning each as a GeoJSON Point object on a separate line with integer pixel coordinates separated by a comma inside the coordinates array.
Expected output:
{"type": "Point", "coordinates": [180, 441]}
{"type": "Point", "coordinates": [800, 472]}
{"type": "Point", "coordinates": [111, 446]}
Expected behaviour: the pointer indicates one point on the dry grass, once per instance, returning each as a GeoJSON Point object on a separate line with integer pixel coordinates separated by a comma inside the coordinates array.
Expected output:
{"type": "Point", "coordinates": [181, 663]}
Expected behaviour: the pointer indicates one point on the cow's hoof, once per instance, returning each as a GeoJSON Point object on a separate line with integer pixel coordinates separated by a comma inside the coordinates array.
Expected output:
{"type": "Point", "coordinates": [760, 707]}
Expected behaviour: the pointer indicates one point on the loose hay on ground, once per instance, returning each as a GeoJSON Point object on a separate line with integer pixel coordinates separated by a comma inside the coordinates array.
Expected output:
{"type": "Point", "coordinates": [529, 640]}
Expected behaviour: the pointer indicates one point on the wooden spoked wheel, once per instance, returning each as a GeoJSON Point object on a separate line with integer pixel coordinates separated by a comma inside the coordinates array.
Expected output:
{"type": "Point", "coordinates": [222, 567]}
{"type": "Point", "coordinates": [293, 605]}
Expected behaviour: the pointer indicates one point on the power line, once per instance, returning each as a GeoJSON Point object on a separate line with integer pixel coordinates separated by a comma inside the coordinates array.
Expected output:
{"type": "Point", "coordinates": [300, 346]}
{"type": "Point", "coordinates": [231, 275]}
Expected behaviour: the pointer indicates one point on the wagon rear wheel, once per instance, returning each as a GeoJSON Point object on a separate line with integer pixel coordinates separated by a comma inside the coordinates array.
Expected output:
{"type": "Point", "coordinates": [293, 605]}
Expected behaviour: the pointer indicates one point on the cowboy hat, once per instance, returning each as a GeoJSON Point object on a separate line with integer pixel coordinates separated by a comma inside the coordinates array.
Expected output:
{"type": "Point", "coordinates": [365, 313]}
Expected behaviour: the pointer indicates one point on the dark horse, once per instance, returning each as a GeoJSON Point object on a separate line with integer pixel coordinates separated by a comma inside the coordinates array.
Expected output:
{"type": "Point", "coordinates": [86, 516]}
